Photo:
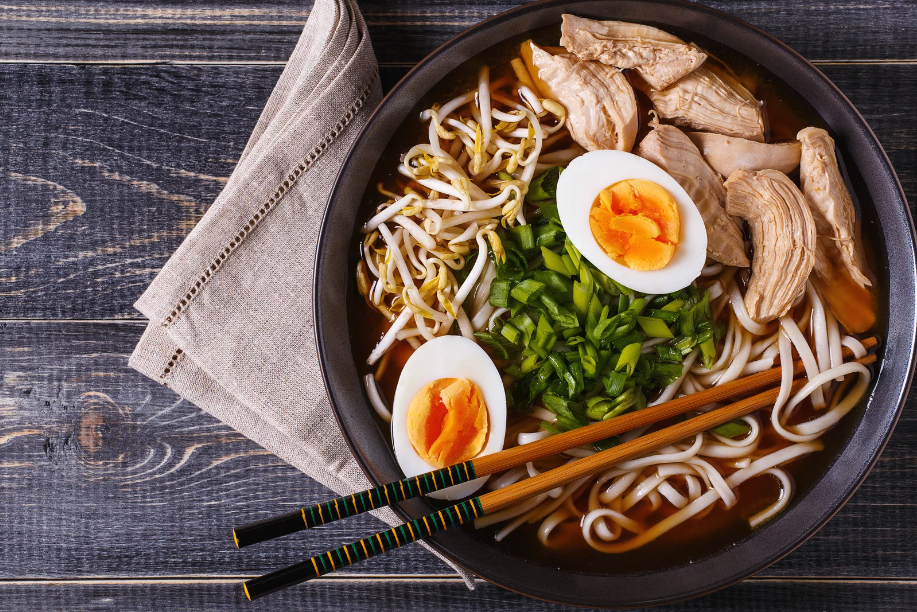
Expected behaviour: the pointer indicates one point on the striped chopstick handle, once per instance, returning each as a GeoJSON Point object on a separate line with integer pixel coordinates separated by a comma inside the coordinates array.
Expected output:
{"type": "Point", "coordinates": [342, 507]}
{"type": "Point", "coordinates": [364, 549]}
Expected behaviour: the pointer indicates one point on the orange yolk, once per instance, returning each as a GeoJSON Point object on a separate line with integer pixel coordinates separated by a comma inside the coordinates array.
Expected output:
{"type": "Point", "coordinates": [447, 421]}
{"type": "Point", "coordinates": [636, 223]}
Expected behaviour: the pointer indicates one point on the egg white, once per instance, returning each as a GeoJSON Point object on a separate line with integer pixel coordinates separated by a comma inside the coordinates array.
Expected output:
{"type": "Point", "coordinates": [579, 186]}
{"type": "Point", "coordinates": [447, 357]}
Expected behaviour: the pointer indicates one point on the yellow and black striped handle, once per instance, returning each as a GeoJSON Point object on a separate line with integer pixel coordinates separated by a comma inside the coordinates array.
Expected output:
{"type": "Point", "coordinates": [364, 549]}
{"type": "Point", "coordinates": [342, 507]}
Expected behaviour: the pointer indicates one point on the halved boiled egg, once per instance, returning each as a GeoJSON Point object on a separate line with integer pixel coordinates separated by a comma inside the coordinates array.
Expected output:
{"type": "Point", "coordinates": [450, 406]}
{"type": "Point", "coordinates": [632, 221]}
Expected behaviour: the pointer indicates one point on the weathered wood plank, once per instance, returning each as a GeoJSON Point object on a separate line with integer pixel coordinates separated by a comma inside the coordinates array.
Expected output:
{"type": "Point", "coordinates": [86, 30]}
{"type": "Point", "coordinates": [434, 596]}
{"type": "Point", "coordinates": [104, 473]}
{"type": "Point", "coordinates": [105, 169]}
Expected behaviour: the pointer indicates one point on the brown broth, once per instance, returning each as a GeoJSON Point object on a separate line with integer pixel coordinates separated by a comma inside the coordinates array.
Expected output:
{"type": "Point", "coordinates": [786, 113]}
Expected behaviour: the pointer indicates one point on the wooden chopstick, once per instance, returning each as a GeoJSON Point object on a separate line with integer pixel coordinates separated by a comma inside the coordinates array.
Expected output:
{"type": "Point", "coordinates": [350, 505]}
{"type": "Point", "coordinates": [495, 500]}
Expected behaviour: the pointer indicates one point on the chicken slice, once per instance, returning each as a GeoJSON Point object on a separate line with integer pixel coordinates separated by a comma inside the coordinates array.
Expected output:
{"type": "Point", "coordinates": [601, 106]}
{"type": "Point", "coordinates": [671, 150]}
{"type": "Point", "coordinates": [712, 102]}
{"type": "Point", "coordinates": [660, 58]}
{"type": "Point", "coordinates": [726, 154]}
{"type": "Point", "coordinates": [830, 201]}
{"type": "Point", "coordinates": [783, 234]}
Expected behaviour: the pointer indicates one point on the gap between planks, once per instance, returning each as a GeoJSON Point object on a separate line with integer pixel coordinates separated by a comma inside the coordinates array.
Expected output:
{"type": "Point", "coordinates": [377, 578]}
{"type": "Point", "coordinates": [131, 321]}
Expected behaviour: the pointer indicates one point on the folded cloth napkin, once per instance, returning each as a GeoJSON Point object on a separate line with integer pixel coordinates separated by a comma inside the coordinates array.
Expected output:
{"type": "Point", "coordinates": [231, 322]}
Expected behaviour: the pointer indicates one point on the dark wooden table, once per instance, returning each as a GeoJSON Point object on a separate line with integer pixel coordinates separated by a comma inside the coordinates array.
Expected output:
{"type": "Point", "coordinates": [119, 123]}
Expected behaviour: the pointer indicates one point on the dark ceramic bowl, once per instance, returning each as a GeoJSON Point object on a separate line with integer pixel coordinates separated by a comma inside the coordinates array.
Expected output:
{"type": "Point", "coordinates": [855, 445]}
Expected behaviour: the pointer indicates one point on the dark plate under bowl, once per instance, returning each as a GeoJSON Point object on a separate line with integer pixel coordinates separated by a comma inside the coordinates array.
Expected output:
{"type": "Point", "coordinates": [887, 225]}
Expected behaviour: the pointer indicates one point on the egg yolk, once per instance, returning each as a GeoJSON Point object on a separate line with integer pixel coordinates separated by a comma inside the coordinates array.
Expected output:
{"type": "Point", "coordinates": [636, 223]}
{"type": "Point", "coordinates": [448, 421]}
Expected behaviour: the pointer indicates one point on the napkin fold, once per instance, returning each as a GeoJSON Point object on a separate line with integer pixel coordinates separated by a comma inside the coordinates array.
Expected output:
{"type": "Point", "coordinates": [231, 324]}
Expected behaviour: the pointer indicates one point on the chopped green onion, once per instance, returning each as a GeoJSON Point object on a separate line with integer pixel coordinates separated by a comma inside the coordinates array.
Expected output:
{"type": "Point", "coordinates": [637, 305]}
{"type": "Point", "coordinates": [548, 235]}
{"type": "Point", "coordinates": [583, 290]}
{"type": "Point", "coordinates": [544, 186]}
{"type": "Point", "coordinates": [499, 293]}
{"type": "Point", "coordinates": [685, 344]}
{"type": "Point", "coordinates": [624, 290]}
{"type": "Point", "coordinates": [555, 262]}
{"type": "Point", "coordinates": [597, 407]}
{"type": "Point", "coordinates": [540, 380]}
{"type": "Point", "coordinates": [523, 236]}
{"type": "Point", "coordinates": [515, 306]}
{"type": "Point", "coordinates": [674, 305]}
{"type": "Point", "coordinates": [629, 338]}
{"type": "Point", "coordinates": [629, 399]}
{"type": "Point", "coordinates": [529, 364]}
{"type": "Point", "coordinates": [523, 322]}
{"type": "Point", "coordinates": [501, 347]}
{"type": "Point", "coordinates": [667, 353]}
{"type": "Point", "coordinates": [589, 357]}
{"type": "Point", "coordinates": [574, 254]}
{"type": "Point", "coordinates": [614, 383]}
{"type": "Point", "coordinates": [629, 357]}
{"type": "Point", "coordinates": [566, 411]}
{"type": "Point", "coordinates": [544, 337]}
{"type": "Point", "coordinates": [665, 315]}
{"type": "Point", "coordinates": [527, 291]}
{"type": "Point", "coordinates": [511, 333]}
{"type": "Point", "coordinates": [549, 210]}
{"type": "Point", "coordinates": [654, 328]}
{"type": "Point", "coordinates": [708, 352]}
{"type": "Point", "coordinates": [603, 326]}
{"type": "Point", "coordinates": [572, 267]}
{"type": "Point", "coordinates": [558, 312]}
{"type": "Point", "coordinates": [557, 362]}
{"type": "Point", "coordinates": [605, 283]}
{"type": "Point", "coordinates": [548, 427]}
{"type": "Point", "coordinates": [732, 429]}
{"type": "Point", "coordinates": [667, 373]}
{"type": "Point", "coordinates": [559, 286]}
{"type": "Point", "coordinates": [513, 370]}
{"type": "Point", "coordinates": [595, 306]}
{"type": "Point", "coordinates": [703, 306]}
{"type": "Point", "coordinates": [686, 321]}
{"type": "Point", "coordinates": [574, 378]}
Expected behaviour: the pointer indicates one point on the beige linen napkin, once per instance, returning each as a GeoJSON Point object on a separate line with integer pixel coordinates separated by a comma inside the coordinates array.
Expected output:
{"type": "Point", "coordinates": [231, 322]}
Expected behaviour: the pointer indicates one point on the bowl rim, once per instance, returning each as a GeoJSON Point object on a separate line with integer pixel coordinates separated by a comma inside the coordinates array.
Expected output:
{"type": "Point", "coordinates": [770, 542]}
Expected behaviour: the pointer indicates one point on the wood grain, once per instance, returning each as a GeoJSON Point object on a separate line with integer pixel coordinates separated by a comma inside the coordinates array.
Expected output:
{"type": "Point", "coordinates": [147, 148]}
{"type": "Point", "coordinates": [105, 473]}
{"type": "Point", "coordinates": [403, 32]}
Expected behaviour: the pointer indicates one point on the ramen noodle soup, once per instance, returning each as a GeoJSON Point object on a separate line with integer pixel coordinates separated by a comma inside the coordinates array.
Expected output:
{"type": "Point", "coordinates": [594, 221]}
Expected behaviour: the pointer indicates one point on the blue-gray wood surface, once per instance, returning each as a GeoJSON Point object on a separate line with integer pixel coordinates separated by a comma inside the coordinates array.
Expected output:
{"type": "Point", "coordinates": [120, 121]}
